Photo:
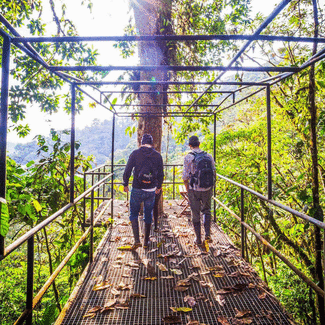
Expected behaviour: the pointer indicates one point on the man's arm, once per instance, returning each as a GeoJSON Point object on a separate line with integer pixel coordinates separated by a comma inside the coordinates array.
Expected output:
{"type": "Point", "coordinates": [186, 171]}
{"type": "Point", "coordinates": [127, 172]}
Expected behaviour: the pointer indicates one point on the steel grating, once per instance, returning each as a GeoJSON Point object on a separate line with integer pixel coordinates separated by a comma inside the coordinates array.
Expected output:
{"type": "Point", "coordinates": [110, 265]}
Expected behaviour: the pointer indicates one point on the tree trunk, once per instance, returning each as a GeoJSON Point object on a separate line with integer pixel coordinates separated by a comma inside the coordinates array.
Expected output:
{"type": "Point", "coordinates": [152, 17]}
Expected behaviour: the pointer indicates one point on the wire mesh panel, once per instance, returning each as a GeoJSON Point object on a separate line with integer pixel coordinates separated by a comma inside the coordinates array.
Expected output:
{"type": "Point", "coordinates": [153, 286]}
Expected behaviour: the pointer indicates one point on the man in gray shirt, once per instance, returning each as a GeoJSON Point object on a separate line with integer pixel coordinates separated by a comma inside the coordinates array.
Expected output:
{"type": "Point", "coordinates": [199, 183]}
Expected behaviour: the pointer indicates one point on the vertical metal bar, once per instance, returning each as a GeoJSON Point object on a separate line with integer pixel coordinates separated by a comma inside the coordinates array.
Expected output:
{"type": "Point", "coordinates": [98, 190]}
{"type": "Point", "coordinates": [3, 124]}
{"type": "Point", "coordinates": [30, 279]}
{"type": "Point", "coordinates": [233, 98]}
{"type": "Point", "coordinates": [242, 218]}
{"type": "Point", "coordinates": [105, 181]}
{"type": "Point", "coordinates": [269, 145]}
{"type": "Point", "coordinates": [91, 246]}
{"type": "Point", "coordinates": [72, 141]}
{"type": "Point", "coordinates": [112, 165]}
{"type": "Point", "coordinates": [214, 158]}
{"type": "Point", "coordinates": [84, 199]}
{"type": "Point", "coordinates": [173, 182]}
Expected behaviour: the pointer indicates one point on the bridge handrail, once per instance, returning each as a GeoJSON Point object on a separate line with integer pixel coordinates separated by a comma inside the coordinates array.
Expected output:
{"type": "Point", "coordinates": [277, 204]}
{"type": "Point", "coordinates": [50, 219]}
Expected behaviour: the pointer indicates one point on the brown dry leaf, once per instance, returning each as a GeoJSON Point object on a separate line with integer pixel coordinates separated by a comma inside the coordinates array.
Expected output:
{"type": "Point", "coordinates": [223, 320]}
{"type": "Point", "coordinates": [219, 274]}
{"type": "Point", "coordinates": [115, 292]}
{"type": "Point", "coordinates": [120, 256]}
{"type": "Point", "coordinates": [234, 274]}
{"type": "Point", "coordinates": [162, 267]}
{"type": "Point", "coordinates": [167, 277]}
{"type": "Point", "coordinates": [176, 271]}
{"type": "Point", "coordinates": [89, 315]}
{"type": "Point", "coordinates": [242, 321]}
{"type": "Point", "coordinates": [183, 283]}
{"type": "Point", "coordinates": [204, 272]}
{"type": "Point", "coordinates": [101, 286]}
{"type": "Point", "coordinates": [220, 299]}
{"type": "Point", "coordinates": [217, 253]}
{"type": "Point", "coordinates": [123, 286]}
{"type": "Point", "coordinates": [190, 300]}
{"type": "Point", "coordinates": [110, 303]}
{"type": "Point", "coordinates": [242, 313]}
{"type": "Point", "coordinates": [153, 250]}
{"type": "Point", "coordinates": [251, 285]}
{"type": "Point", "coordinates": [193, 322]}
{"type": "Point", "coordinates": [172, 319]}
{"type": "Point", "coordinates": [150, 278]}
{"type": "Point", "coordinates": [216, 268]}
{"type": "Point", "coordinates": [262, 295]}
{"type": "Point", "coordinates": [206, 284]}
{"type": "Point", "coordinates": [181, 288]}
{"type": "Point", "coordinates": [137, 295]}
{"type": "Point", "coordinates": [94, 309]}
{"type": "Point", "coordinates": [132, 265]}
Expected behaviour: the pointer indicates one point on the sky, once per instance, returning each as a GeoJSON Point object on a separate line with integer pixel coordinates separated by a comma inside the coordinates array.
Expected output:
{"type": "Point", "coordinates": [107, 18]}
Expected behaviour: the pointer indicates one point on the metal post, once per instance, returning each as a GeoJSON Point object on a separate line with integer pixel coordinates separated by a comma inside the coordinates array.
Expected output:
{"type": "Point", "coordinates": [84, 199]}
{"type": "Point", "coordinates": [112, 165]}
{"type": "Point", "coordinates": [214, 158]}
{"type": "Point", "coordinates": [174, 182]}
{"type": "Point", "coordinates": [30, 279]}
{"type": "Point", "coordinates": [233, 98]}
{"type": "Point", "coordinates": [72, 141]}
{"type": "Point", "coordinates": [269, 144]}
{"type": "Point", "coordinates": [3, 124]}
{"type": "Point", "coordinates": [91, 246]}
{"type": "Point", "coordinates": [242, 218]}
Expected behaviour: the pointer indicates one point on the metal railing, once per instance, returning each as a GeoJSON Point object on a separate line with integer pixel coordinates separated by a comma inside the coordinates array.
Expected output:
{"type": "Point", "coordinates": [31, 301]}
{"type": "Point", "coordinates": [245, 226]}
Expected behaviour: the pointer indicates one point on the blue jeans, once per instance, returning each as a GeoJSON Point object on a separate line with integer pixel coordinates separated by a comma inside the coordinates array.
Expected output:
{"type": "Point", "coordinates": [148, 199]}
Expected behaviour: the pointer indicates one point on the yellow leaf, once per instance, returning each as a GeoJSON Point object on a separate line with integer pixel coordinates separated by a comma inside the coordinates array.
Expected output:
{"type": "Point", "coordinates": [37, 206]}
{"type": "Point", "coordinates": [101, 286]}
{"type": "Point", "coordinates": [125, 248]}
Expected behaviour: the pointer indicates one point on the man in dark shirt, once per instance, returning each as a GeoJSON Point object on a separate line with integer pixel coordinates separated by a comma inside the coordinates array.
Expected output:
{"type": "Point", "coordinates": [148, 175]}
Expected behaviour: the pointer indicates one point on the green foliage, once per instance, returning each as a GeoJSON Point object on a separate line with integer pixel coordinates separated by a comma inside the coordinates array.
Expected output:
{"type": "Point", "coordinates": [4, 217]}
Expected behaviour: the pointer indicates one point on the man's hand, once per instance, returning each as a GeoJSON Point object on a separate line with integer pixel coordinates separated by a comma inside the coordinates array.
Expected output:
{"type": "Point", "coordinates": [158, 190]}
{"type": "Point", "coordinates": [186, 185]}
{"type": "Point", "coordinates": [126, 189]}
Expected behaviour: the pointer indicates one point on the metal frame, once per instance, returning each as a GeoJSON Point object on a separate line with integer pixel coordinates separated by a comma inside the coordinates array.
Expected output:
{"type": "Point", "coordinates": [25, 45]}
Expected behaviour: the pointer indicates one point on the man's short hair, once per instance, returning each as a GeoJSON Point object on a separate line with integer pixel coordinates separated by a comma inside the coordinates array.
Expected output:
{"type": "Point", "coordinates": [147, 139]}
{"type": "Point", "coordinates": [194, 141]}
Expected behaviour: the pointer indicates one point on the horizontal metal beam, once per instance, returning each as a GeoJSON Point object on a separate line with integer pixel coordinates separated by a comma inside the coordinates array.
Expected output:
{"type": "Point", "coordinates": [173, 68]}
{"type": "Point", "coordinates": [171, 83]}
{"type": "Point", "coordinates": [159, 38]}
{"type": "Point", "coordinates": [165, 92]}
{"type": "Point", "coordinates": [168, 105]}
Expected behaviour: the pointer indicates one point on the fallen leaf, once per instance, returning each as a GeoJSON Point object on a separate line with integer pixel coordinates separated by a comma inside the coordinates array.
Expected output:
{"type": "Point", "coordinates": [153, 250]}
{"type": "Point", "coordinates": [206, 284]}
{"type": "Point", "coordinates": [204, 272]}
{"type": "Point", "coordinates": [160, 243]}
{"type": "Point", "coordinates": [176, 271]}
{"type": "Point", "coordinates": [220, 299]}
{"type": "Point", "coordinates": [182, 309]}
{"type": "Point", "coordinates": [94, 309]}
{"type": "Point", "coordinates": [110, 303]}
{"type": "Point", "coordinates": [223, 320]}
{"type": "Point", "coordinates": [89, 315]}
{"type": "Point", "coordinates": [172, 319]}
{"type": "Point", "coordinates": [162, 267]}
{"type": "Point", "coordinates": [137, 295]}
{"type": "Point", "coordinates": [206, 246]}
{"type": "Point", "coordinates": [150, 278]}
{"type": "Point", "coordinates": [115, 292]}
{"type": "Point", "coordinates": [180, 288]}
{"type": "Point", "coordinates": [101, 286]}
{"type": "Point", "coordinates": [262, 295]}
{"type": "Point", "coordinates": [167, 277]}
{"type": "Point", "coordinates": [125, 248]}
{"type": "Point", "coordinates": [242, 313]}
{"type": "Point", "coordinates": [216, 268]}
{"type": "Point", "coordinates": [242, 321]}
{"type": "Point", "coordinates": [190, 300]}
{"type": "Point", "coordinates": [219, 274]}
{"type": "Point", "coordinates": [132, 265]}
{"type": "Point", "coordinates": [183, 282]}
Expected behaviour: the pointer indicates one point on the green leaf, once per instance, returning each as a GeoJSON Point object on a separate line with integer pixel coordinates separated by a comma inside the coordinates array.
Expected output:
{"type": "Point", "coordinates": [37, 206]}
{"type": "Point", "coordinates": [4, 217]}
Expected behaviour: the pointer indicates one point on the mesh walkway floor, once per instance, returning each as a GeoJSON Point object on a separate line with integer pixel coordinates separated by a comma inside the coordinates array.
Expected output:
{"type": "Point", "coordinates": [225, 289]}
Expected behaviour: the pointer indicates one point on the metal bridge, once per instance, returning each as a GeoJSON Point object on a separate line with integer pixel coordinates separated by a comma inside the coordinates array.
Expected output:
{"type": "Point", "coordinates": [225, 288]}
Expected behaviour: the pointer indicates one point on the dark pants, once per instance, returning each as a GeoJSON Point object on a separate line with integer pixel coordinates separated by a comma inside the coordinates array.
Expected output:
{"type": "Point", "coordinates": [137, 197]}
{"type": "Point", "coordinates": [200, 201]}
{"type": "Point", "coordinates": [155, 209]}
